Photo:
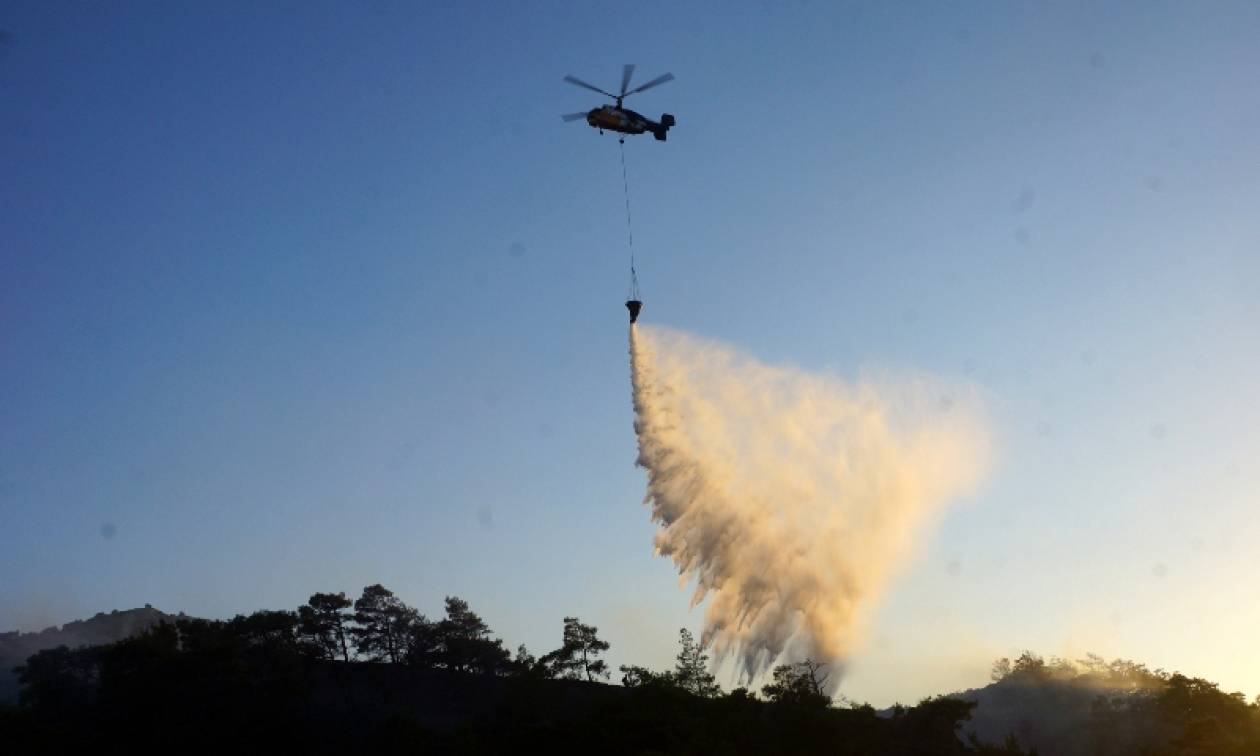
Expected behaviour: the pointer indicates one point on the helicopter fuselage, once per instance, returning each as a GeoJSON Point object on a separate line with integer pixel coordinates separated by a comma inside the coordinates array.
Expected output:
{"type": "Point", "coordinates": [626, 121]}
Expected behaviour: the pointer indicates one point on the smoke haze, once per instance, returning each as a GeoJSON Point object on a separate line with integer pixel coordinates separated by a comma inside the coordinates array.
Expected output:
{"type": "Point", "coordinates": [791, 499]}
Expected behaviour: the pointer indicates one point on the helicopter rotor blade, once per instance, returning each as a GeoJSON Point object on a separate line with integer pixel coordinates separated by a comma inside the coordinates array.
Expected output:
{"type": "Point", "coordinates": [654, 82]}
{"type": "Point", "coordinates": [592, 87]}
{"type": "Point", "coordinates": [573, 116]}
{"type": "Point", "coordinates": [626, 73]}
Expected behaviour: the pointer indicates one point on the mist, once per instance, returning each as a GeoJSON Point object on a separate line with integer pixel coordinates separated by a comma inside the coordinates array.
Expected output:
{"type": "Point", "coordinates": [792, 500]}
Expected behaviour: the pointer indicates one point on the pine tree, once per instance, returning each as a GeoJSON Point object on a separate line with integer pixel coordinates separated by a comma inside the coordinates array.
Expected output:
{"type": "Point", "coordinates": [577, 656]}
{"type": "Point", "coordinates": [322, 624]}
{"type": "Point", "coordinates": [464, 643]}
{"type": "Point", "coordinates": [384, 624]}
{"type": "Point", "coordinates": [691, 673]}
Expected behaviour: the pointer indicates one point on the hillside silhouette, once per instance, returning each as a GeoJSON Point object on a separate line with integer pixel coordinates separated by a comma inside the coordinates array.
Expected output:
{"type": "Point", "coordinates": [16, 647]}
{"type": "Point", "coordinates": [373, 674]}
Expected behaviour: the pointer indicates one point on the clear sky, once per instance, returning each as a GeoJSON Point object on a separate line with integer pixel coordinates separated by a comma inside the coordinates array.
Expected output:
{"type": "Point", "coordinates": [301, 296]}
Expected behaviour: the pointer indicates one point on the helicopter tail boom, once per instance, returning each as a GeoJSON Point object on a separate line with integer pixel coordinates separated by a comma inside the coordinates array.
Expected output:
{"type": "Point", "coordinates": [662, 128]}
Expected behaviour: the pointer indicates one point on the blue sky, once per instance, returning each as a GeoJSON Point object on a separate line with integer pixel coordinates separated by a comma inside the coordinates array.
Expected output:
{"type": "Point", "coordinates": [304, 296]}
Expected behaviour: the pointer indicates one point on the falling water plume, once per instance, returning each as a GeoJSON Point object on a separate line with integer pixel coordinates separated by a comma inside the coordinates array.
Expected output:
{"type": "Point", "coordinates": [791, 499]}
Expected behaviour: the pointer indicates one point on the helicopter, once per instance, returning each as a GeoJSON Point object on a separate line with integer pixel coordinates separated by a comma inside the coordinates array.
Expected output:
{"type": "Point", "coordinates": [617, 118]}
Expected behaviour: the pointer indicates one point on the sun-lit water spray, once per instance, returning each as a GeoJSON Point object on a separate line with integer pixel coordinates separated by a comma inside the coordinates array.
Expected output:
{"type": "Point", "coordinates": [791, 499]}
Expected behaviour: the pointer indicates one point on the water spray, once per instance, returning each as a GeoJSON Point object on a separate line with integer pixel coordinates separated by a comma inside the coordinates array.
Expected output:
{"type": "Point", "coordinates": [790, 500]}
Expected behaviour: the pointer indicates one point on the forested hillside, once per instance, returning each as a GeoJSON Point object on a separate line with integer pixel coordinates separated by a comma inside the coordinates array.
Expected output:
{"type": "Point", "coordinates": [375, 674]}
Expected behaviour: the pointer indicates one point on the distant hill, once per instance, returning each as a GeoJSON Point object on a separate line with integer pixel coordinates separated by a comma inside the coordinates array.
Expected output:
{"type": "Point", "coordinates": [16, 647]}
{"type": "Point", "coordinates": [1069, 707]}
{"type": "Point", "coordinates": [1053, 716]}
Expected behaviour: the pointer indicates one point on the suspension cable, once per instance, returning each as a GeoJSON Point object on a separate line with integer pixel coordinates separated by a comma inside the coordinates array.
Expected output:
{"type": "Point", "coordinates": [625, 182]}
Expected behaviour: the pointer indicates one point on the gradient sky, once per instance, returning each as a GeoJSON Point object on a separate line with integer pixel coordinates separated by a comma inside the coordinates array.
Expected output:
{"type": "Point", "coordinates": [299, 297]}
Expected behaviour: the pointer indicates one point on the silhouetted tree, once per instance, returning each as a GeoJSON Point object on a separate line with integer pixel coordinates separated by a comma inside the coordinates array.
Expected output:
{"type": "Point", "coordinates": [58, 679]}
{"type": "Point", "coordinates": [383, 624]}
{"type": "Point", "coordinates": [464, 643]}
{"type": "Point", "coordinates": [800, 684]}
{"type": "Point", "coordinates": [525, 664]}
{"type": "Point", "coordinates": [270, 628]}
{"type": "Point", "coordinates": [692, 669]}
{"type": "Point", "coordinates": [634, 676]}
{"type": "Point", "coordinates": [424, 644]}
{"type": "Point", "coordinates": [322, 625]}
{"type": "Point", "coordinates": [1208, 720]}
{"type": "Point", "coordinates": [577, 656]}
{"type": "Point", "coordinates": [1029, 667]}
